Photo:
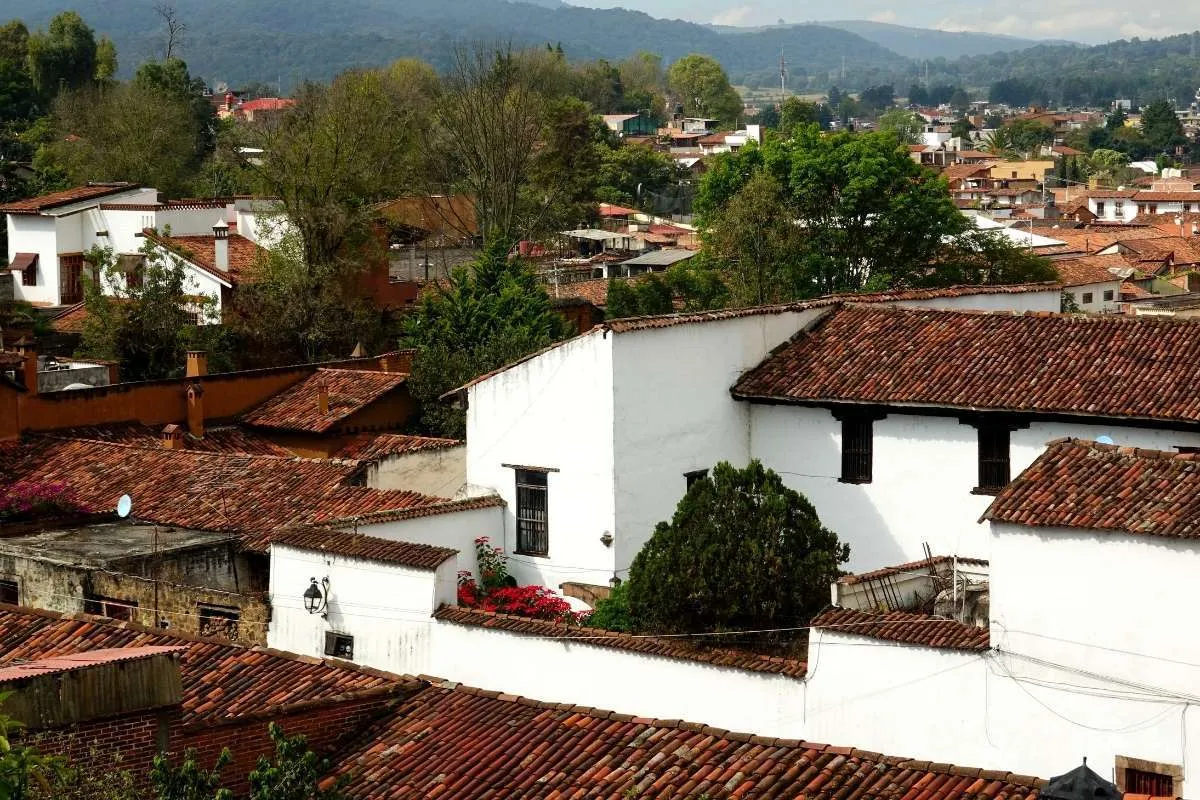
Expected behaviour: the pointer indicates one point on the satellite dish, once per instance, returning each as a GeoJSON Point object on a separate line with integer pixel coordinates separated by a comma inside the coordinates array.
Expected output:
{"type": "Point", "coordinates": [1105, 439]}
{"type": "Point", "coordinates": [124, 506]}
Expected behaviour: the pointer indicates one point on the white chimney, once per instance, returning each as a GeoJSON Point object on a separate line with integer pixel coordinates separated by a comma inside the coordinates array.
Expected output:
{"type": "Point", "coordinates": [221, 245]}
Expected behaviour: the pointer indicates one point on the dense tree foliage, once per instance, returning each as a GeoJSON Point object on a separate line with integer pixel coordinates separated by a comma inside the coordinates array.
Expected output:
{"type": "Point", "coordinates": [702, 87]}
{"type": "Point", "coordinates": [485, 317]}
{"type": "Point", "coordinates": [742, 552]}
{"type": "Point", "coordinates": [906, 125]}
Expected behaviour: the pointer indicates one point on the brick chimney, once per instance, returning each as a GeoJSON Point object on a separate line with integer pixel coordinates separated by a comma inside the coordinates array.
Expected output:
{"type": "Point", "coordinates": [29, 367]}
{"type": "Point", "coordinates": [195, 410]}
{"type": "Point", "coordinates": [221, 245]}
{"type": "Point", "coordinates": [323, 398]}
{"type": "Point", "coordinates": [197, 363]}
{"type": "Point", "coordinates": [172, 437]}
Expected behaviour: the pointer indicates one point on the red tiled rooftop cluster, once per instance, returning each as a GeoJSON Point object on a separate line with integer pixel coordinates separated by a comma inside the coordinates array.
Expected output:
{"type": "Point", "coordinates": [469, 745]}
{"type": "Point", "coordinates": [201, 251]}
{"type": "Point", "coordinates": [370, 548]}
{"type": "Point", "coordinates": [350, 391]}
{"type": "Point", "coordinates": [901, 626]}
{"type": "Point", "coordinates": [227, 439]}
{"type": "Point", "coordinates": [373, 446]}
{"type": "Point", "coordinates": [1071, 364]}
{"type": "Point", "coordinates": [45, 202]}
{"type": "Point", "coordinates": [1090, 269]}
{"type": "Point", "coordinates": [220, 680]}
{"type": "Point", "coordinates": [1082, 484]}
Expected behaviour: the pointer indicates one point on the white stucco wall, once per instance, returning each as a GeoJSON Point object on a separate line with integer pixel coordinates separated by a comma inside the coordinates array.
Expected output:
{"type": "Point", "coordinates": [673, 413]}
{"type": "Point", "coordinates": [35, 234]}
{"type": "Point", "coordinates": [553, 411]}
{"type": "Point", "coordinates": [619, 680]}
{"type": "Point", "coordinates": [440, 472]}
{"type": "Point", "coordinates": [385, 607]}
{"type": "Point", "coordinates": [1097, 291]}
{"type": "Point", "coordinates": [923, 473]}
{"type": "Point", "coordinates": [1048, 300]}
{"type": "Point", "coordinates": [185, 221]}
{"type": "Point", "coordinates": [457, 529]}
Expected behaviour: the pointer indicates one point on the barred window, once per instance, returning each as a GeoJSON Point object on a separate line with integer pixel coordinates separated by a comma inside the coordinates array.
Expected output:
{"type": "Point", "coordinates": [993, 457]}
{"type": "Point", "coordinates": [857, 446]}
{"type": "Point", "coordinates": [533, 529]}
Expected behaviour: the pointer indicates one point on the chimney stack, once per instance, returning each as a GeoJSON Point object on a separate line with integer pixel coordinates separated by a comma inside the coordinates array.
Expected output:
{"type": "Point", "coordinates": [221, 245]}
{"type": "Point", "coordinates": [172, 437]}
{"type": "Point", "coordinates": [29, 367]}
{"type": "Point", "coordinates": [323, 398]}
{"type": "Point", "coordinates": [195, 410]}
{"type": "Point", "coordinates": [197, 363]}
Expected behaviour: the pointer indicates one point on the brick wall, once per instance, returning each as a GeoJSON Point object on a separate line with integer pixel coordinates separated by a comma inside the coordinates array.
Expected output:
{"type": "Point", "coordinates": [327, 726]}
{"type": "Point", "coordinates": [128, 742]}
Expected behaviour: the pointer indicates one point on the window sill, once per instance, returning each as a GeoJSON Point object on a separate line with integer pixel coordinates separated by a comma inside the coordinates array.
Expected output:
{"type": "Point", "coordinates": [854, 480]}
{"type": "Point", "coordinates": [987, 490]}
{"type": "Point", "coordinates": [530, 555]}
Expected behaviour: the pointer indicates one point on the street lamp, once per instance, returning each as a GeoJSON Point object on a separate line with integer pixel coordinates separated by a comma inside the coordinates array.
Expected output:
{"type": "Point", "coordinates": [316, 598]}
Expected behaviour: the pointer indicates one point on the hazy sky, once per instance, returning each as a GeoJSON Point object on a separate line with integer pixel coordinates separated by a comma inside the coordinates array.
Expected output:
{"type": "Point", "coordinates": [1079, 20]}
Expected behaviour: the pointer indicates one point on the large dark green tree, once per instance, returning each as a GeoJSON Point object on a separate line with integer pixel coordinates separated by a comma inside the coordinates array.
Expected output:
{"type": "Point", "coordinates": [486, 316]}
{"type": "Point", "coordinates": [1162, 129]}
{"type": "Point", "coordinates": [703, 88]}
{"type": "Point", "coordinates": [742, 552]}
{"type": "Point", "coordinates": [63, 56]}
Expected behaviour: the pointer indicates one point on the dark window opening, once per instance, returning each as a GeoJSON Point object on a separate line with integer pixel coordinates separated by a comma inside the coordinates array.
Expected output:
{"type": "Point", "coordinates": [339, 645]}
{"type": "Point", "coordinates": [220, 621]}
{"type": "Point", "coordinates": [110, 607]}
{"type": "Point", "coordinates": [1108, 295]}
{"type": "Point", "coordinates": [10, 593]}
{"type": "Point", "coordinates": [70, 278]}
{"type": "Point", "coordinates": [857, 441]}
{"type": "Point", "coordinates": [993, 457]}
{"type": "Point", "coordinates": [1087, 298]}
{"type": "Point", "coordinates": [533, 524]}
{"type": "Point", "coordinates": [692, 478]}
{"type": "Point", "coordinates": [1155, 784]}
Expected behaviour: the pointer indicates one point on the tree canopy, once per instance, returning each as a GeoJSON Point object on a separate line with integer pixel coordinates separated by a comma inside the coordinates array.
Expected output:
{"type": "Point", "coordinates": [742, 551]}
{"type": "Point", "coordinates": [703, 88]}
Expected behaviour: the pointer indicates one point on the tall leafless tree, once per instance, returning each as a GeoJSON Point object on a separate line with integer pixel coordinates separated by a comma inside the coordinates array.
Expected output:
{"type": "Point", "coordinates": [176, 29]}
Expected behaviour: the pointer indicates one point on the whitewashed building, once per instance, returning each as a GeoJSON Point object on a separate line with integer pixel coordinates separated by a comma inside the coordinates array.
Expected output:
{"type": "Point", "coordinates": [898, 424]}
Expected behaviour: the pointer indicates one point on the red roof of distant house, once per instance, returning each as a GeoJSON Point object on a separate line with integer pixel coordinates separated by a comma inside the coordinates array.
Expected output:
{"type": "Point", "coordinates": [266, 104]}
{"type": "Point", "coordinates": [228, 439]}
{"type": "Point", "coordinates": [46, 202]}
{"type": "Point", "coordinates": [368, 548]}
{"type": "Point", "coordinates": [1063, 150]}
{"type": "Point", "coordinates": [202, 252]}
{"type": "Point", "coordinates": [221, 680]}
{"type": "Point", "coordinates": [901, 626]}
{"type": "Point", "coordinates": [350, 391]}
{"type": "Point", "coordinates": [467, 744]}
{"type": "Point", "coordinates": [610, 210]}
{"type": "Point", "coordinates": [1167, 197]}
{"type": "Point", "coordinates": [1131, 291]}
{"type": "Point", "coordinates": [1086, 270]}
{"type": "Point", "coordinates": [1080, 484]}
{"type": "Point", "coordinates": [204, 491]}
{"type": "Point", "coordinates": [974, 360]}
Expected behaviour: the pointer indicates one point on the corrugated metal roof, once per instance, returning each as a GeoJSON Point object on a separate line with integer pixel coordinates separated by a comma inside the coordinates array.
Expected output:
{"type": "Point", "coordinates": [660, 258]}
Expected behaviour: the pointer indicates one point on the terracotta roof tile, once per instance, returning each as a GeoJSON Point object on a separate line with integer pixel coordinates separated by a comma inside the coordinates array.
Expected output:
{"type": "Point", "coordinates": [900, 626]}
{"type": "Point", "coordinates": [467, 744]}
{"type": "Point", "coordinates": [350, 391]}
{"type": "Point", "coordinates": [203, 491]}
{"type": "Point", "coordinates": [217, 439]}
{"type": "Point", "coordinates": [46, 202]}
{"type": "Point", "coordinates": [595, 637]}
{"type": "Point", "coordinates": [221, 680]}
{"type": "Point", "coordinates": [374, 446]}
{"type": "Point", "coordinates": [1085, 270]}
{"type": "Point", "coordinates": [369, 548]}
{"type": "Point", "coordinates": [1150, 196]}
{"type": "Point", "coordinates": [201, 251]}
{"type": "Point", "coordinates": [1082, 484]}
{"type": "Point", "coordinates": [1069, 364]}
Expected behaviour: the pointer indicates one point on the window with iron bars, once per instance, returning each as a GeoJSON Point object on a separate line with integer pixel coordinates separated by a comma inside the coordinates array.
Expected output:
{"type": "Point", "coordinates": [533, 528]}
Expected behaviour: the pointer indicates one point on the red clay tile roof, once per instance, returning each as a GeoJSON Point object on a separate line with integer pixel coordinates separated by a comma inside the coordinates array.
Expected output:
{"type": "Point", "coordinates": [374, 446]}
{"type": "Point", "coordinates": [1069, 364]}
{"type": "Point", "coordinates": [1146, 196]}
{"type": "Point", "coordinates": [350, 391]}
{"type": "Point", "coordinates": [266, 104]}
{"type": "Point", "coordinates": [611, 210]}
{"type": "Point", "coordinates": [221, 680]}
{"type": "Point", "coordinates": [1111, 194]}
{"type": "Point", "coordinates": [369, 548]}
{"type": "Point", "coordinates": [1085, 270]}
{"type": "Point", "coordinates": [73, 661]}
{"type": "Point", "coordinates": [425, 510]}
{"type": "Point", "coordinates": [1178, 249]}
{"type": "Point", "coordinates": [958, 172]}
{"type": "Point", "coordinates": [468, 744]}
{"type": "Point", "coordinates": [900, 626]}
{"type": "Point", "coordinates": [225, 439]}
{"type": "Point", "coordinates": [1081, 484]}
{"type": "Point", "coordinates": [921, 566]}
{"type": "Point", "coordinates": [1092, 240]}
{"type": "Point", "coordinates": [46, 202]}
{"type": "Point", "coordinates": [70, 319]}
{"type": "Point", "coordinates": [204, 491]}
{"type": "Point", "coordinates": [10, 359]}
{"type": "Point", "coordinates": [1131, 291]}
{"type": "Point", "coordinates": [664, 647]}
{"type": "Point", "coordinates": [201, 251]}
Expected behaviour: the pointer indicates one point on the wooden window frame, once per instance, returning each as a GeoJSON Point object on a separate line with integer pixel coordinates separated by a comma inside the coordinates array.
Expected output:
{"type": "Point", "coordinates": [70, 278]}
{"type": "Point", "coordinates": [111, 607]}
{"type": "Point", "coordinates": [533, 519]}
{"type": "Point", "coordinates": [1128, 769]}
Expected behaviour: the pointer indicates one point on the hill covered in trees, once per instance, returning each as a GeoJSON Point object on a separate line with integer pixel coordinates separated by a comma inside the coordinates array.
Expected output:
{"type": "Point", "coordinates": [925, 43]}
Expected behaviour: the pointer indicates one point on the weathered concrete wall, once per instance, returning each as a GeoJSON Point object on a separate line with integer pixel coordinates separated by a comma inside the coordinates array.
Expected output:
{"type": "Point", "coordinates": [222, 567]}
{"type": "Point", "coordinates": [60, 379]}
{"type": "Point", "coordinates": [437, 472]}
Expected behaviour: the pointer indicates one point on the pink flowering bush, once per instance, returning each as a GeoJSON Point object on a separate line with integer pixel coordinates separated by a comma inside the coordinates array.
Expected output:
{"type": "Point", "coordinates": [29, 499]}
{"type": "Point", "coordinates": [497, 591]}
